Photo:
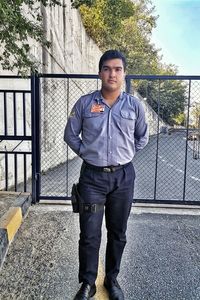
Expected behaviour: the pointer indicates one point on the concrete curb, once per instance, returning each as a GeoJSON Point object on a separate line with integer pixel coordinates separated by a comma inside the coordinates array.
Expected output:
{"type": "Point", "coordinates": [11, 221]}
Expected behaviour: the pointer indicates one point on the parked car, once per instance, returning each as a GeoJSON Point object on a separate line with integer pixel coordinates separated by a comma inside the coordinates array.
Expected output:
{"type": "Point", "coordinates": [194, 136]}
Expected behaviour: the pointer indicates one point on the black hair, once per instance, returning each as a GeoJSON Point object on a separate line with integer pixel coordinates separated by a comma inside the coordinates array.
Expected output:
{"type": "Point", "coordinates": [112, 54]}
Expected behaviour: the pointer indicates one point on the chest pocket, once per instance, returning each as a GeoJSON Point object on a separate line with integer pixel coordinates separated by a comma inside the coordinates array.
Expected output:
{"type": "Point", "coordinates": [90, 114]}
{"type": "Point", "coordinates": [128, 118]}
{"type": "Point", "coordinates": [92, 121]}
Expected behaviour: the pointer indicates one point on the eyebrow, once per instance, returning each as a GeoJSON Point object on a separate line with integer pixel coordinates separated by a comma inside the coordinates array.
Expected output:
{"type": "Point", "coordinates": [119, 67]}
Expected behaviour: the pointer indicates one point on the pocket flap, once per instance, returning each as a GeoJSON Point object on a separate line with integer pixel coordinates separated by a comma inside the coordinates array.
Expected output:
{"type": "Point", "coordinates": [131, 115]}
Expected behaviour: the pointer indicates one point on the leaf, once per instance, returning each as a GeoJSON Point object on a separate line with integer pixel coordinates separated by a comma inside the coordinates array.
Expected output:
{"type": "Point", "coordinates": [17, 27]}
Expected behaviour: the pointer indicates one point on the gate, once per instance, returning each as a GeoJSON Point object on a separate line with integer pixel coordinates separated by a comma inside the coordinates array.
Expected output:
{"type": "Point", "coordinates": [16, 122]}
{"type": "Point", "coordinates": [167, 169]}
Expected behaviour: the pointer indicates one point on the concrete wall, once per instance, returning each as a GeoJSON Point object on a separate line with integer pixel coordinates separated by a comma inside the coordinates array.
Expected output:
{"type": "Point", "coordinates": [72, 51]}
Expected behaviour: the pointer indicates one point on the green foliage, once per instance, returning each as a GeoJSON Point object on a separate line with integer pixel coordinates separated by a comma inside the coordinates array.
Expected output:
{"type": "Point", "coordinates": [180, 119]}
{"type": "Point", "coordinates": [127, 25]}
{"type": "Point", "coordinates": [21, 20]}
{"type": "Point", "coordinates": [195, 113]}
{"type": "Point", "coordinates": [167, 97]}
{"type": "Point", "coordinates": [78, 3]}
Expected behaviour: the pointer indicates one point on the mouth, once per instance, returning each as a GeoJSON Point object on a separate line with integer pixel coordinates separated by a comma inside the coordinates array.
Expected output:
{"type": "Point", "coordinates": [111, 81]}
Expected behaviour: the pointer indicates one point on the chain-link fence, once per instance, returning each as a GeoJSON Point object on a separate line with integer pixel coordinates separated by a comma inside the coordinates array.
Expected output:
{"type": "Point", "coordinates": [60, 167]}
{"type": "Point", "coordinates": [169, 166]}
{"type": "Point", "coordinates": [167, 169]}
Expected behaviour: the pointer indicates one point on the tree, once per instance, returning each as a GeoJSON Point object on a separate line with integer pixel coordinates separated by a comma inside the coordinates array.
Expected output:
{"type": "Point", "coordinates": [180, 119]}
{"type": "Point", "coordinates": [195, 113]}
{"type": "Point", "coordinates": [78, 3]}
{"type": "Point", "coordinates": [127, 26]}
{"type": "Point", "coordinates": [21, 20]}
{"type": "Point", "coordinates": [167, 97]}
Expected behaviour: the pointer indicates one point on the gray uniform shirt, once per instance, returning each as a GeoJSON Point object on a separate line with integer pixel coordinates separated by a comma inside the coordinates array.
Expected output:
{"type": "Point", "coordinates": [110, 136]}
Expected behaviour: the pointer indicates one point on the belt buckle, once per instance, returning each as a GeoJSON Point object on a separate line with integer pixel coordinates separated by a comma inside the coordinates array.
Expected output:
{"type": "Point", "coordinates": [107, 170]}
{"type": "Point", "coordinates": [113, 169]}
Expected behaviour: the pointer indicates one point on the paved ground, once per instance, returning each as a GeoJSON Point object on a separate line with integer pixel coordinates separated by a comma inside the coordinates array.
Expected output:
{"type": "Point", "coordinates": [161, 260]}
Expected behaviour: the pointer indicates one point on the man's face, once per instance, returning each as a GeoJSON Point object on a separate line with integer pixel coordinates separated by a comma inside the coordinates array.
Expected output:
{"type": "Point", "coordinates": [112, 74]}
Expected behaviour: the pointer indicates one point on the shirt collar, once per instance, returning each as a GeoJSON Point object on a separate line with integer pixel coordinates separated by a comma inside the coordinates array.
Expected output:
{"type": "Point", "coordinates": [99, 97]}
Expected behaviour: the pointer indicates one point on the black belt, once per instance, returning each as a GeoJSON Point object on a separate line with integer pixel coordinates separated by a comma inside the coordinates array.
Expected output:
{"type": "Point", "coordinates": [108, 169]}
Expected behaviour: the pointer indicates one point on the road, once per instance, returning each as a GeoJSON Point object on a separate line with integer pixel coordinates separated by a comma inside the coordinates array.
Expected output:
{"type": "Point", "coordinates": [171, 169]}
{"type": "Point", "coordinates": [170, 173]}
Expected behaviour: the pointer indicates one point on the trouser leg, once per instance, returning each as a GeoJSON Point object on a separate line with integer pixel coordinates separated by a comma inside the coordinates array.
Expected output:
{"type": "Point", "coordinates": [89, 243]}
{"type": "Point", "coordinates": [90, 226]}
{"type": "Point", "coordinates": [118, 206]}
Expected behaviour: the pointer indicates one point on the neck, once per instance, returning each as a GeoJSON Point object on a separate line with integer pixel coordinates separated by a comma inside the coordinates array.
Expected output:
{"type": "Point", "coordinates": [110, 95]}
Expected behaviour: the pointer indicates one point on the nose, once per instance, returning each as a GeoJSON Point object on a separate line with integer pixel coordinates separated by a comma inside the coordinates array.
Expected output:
{"type": "Point", "coordinates": [112, 73]}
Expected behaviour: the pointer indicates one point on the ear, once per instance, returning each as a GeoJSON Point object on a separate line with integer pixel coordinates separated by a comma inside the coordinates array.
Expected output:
{"type": "Point", "coordinates": [99, 74]}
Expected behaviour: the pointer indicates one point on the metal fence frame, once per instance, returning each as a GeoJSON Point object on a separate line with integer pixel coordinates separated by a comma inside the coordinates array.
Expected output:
{"type": "Point", "coordinates": [35, 128]}
{"type": "Point", "coordinates": [15, 137]}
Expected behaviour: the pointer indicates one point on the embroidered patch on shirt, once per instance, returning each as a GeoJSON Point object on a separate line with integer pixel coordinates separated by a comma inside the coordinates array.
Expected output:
{"type": "Point", "coordinates": [97, 108]}
{"type": "Point", "coordinates": [72, 114]}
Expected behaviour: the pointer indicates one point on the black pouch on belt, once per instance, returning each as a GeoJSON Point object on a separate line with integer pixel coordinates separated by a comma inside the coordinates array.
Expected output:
{"type": "Point", "coordinates": [75, 198]}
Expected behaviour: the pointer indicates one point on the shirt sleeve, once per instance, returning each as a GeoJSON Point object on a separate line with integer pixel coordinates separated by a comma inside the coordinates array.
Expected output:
{"type": "Point", "coordinates": [141, 134]}
{"type": "Point", "coordinates": [73, 128]}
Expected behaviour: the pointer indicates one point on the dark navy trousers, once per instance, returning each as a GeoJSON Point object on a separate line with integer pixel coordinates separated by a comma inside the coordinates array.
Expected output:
{"type": "Point", "coordinates": [115, 191]}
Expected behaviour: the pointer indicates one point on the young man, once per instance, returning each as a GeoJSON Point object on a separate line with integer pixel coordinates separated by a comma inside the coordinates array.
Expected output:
{"type": "Point", "coordinates": [112, 126]}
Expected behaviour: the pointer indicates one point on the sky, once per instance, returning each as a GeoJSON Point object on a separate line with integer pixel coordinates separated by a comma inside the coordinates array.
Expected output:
{"type": "Point", "coordinates": [178, 34]}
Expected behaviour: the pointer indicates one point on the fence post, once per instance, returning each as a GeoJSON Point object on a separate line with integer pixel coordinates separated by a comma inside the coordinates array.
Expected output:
{"type": "Point", "coordinates": [128, 84]}
{"type": "Point", "coordinates": [157, 143]}
{"type": "Point", "coordinates": [186, 142]}
{"type": "Point", "coordinates": [35, 121]}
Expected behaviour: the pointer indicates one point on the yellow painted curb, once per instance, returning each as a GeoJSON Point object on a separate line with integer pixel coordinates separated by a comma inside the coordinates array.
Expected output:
{"type": "Point", "coordinates": [101, 291]}
{"type": "Point", "coordinates": [11, 221]}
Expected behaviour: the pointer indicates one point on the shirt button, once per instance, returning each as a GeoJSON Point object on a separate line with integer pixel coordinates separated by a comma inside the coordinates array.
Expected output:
{"type": "Point", "coordinates": [110, 151]}
{"type": "Point", "coordinates": [110, 137]}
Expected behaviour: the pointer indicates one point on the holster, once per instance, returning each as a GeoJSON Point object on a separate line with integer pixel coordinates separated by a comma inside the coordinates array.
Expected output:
{"type": "Point", "coordinates": [79, 207]}
{"type": "Point", "coordinates": [75, 198]}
